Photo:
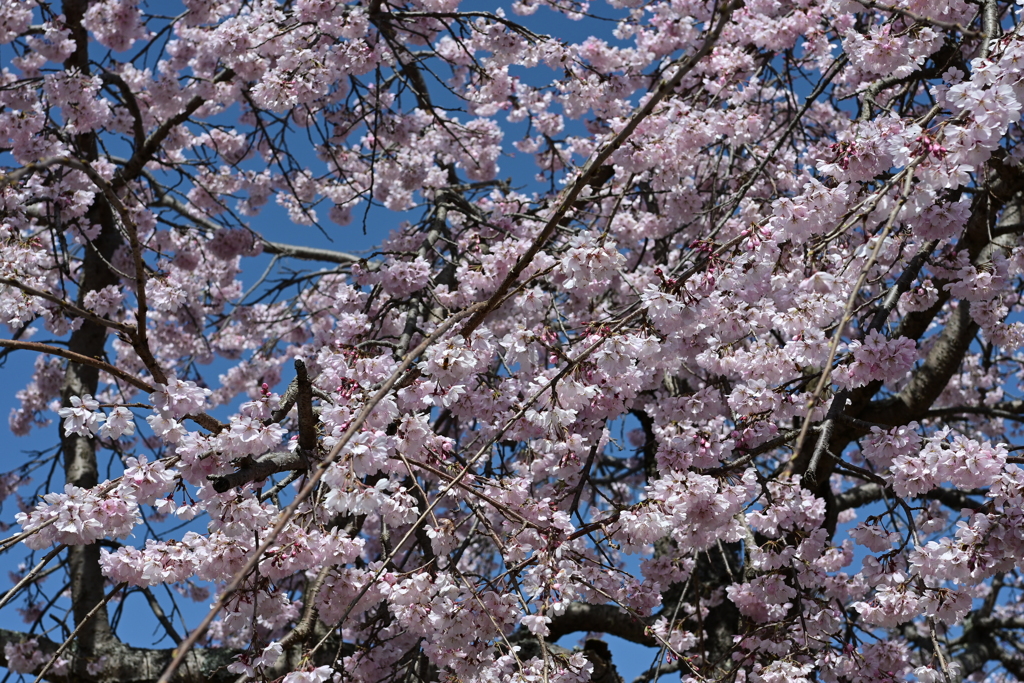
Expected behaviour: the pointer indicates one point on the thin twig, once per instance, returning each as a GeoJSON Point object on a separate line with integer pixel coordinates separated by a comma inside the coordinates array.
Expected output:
{"type": "Point", "coordinates": [78, 627]}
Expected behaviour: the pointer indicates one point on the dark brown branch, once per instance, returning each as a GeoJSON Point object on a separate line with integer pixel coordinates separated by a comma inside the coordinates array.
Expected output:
{"type": "Point", "coordinates": [145, 153]}
{"type": "Point", "coordinates": [133, 106]}
{"type": "Point", "coordinates": [901, 286]}
{"type": "Point", "coordinates": [253, 469]}
{"type": "Point", "coordinates": [99, 608]}
{"type": "Point", "coordinates": [839, 403]}
{"type": "Point", "coordinates": [584, 476]}
{"type": "Point", "coordinates": [287, 401]}
{"type": "Point", "coordinates": [662, 669]}
{"type": "Point", "coordinates": [870, 492]}
{"type": "Point", "coordinates": [409, 70]}
{"type": "Point", "coordinates": [304, 403]}
{"type": "Point", "coordinates": [201, 419]}
{"type": "Point", "coordinates": [27, 170]}
{"type": "Point", "coordinates": [69, 307]}
{"type": "Point", "coordinates": [128, 664]}
{"type": "Point", "coordinates": [929, 380]}
{"type": "Point", "coordinates": [584, 617]}
{"type": "Point", "coordinates": [158, 612]}
{"type": "Point", "coordinates": [1007, 410]}
{"type": "Point", "coordinates": [34, 575]}
{"type": "Point", "coordinates": [80, 359]}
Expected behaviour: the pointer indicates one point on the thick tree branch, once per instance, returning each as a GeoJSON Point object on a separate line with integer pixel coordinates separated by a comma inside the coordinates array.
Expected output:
{"type": "Point", "coordinates": [869, 492]}
{"type": "Point", "coordinates": [611, 619]}
{"type": "Point", "coordinates": [304, 402]}
{"type": "Point", "coordinates": [125, 664]}
{"type": "Point", "coordinates": [257, 469]}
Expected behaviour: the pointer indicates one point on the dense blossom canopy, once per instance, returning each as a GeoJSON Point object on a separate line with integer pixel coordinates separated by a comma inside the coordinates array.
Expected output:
{"type": "Point", "coordinates": [728, 367]}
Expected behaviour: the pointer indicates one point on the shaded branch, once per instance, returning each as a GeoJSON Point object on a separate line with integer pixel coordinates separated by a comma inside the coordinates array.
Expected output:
{"type": "Point", "coordinates": [126, 664]}
{"type": "Point", "coordinates": [869, 492]}
{"type": "Point", "coordinates": [611, 619]}
{"type": "Point", "coordinates": [82, 623]}
{"type": "Point", "coordinates": [138, 133]}
{"type": "Point", "coordinates": [253, 469]}
{"type": "Point", "coordinates": [158, 612]}
{"type": "Point", "coordinates": [304, 403]}
{"type": "Point", "coordinates": [144, 154]}
{"type": "Point", "coordinates": [1007, 410]}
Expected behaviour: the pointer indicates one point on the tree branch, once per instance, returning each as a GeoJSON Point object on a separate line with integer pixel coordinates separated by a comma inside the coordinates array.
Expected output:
{"type": "Point", "coordinates": [133, 107]}
{"type": "Point", "coordinates": [126, 664]}
{"type": "Point", "coordinates": [584, 617]}
{"type": "Point", "coordinates": [144, 154]}
{"type": "Point", "coordinates": [80, 359]}
{"type": "Point", "coordinates": [70, 307]}
{"type": "Point", "coordinates": [278, 248]}
{"type": "Point", "coordinates": [286, 515]}
{"type": "Point", "coordinates": [253, 469]}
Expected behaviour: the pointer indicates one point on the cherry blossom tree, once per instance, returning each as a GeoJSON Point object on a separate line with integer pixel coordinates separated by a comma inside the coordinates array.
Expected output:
{"type": "Point", "coordinates": [728, 368]}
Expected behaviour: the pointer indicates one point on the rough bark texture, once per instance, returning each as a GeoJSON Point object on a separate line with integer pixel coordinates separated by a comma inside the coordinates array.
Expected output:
{"type": "Point", "coordinates": [125, 664]}
{"type": "Point", "coordinates": [80, 466]}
